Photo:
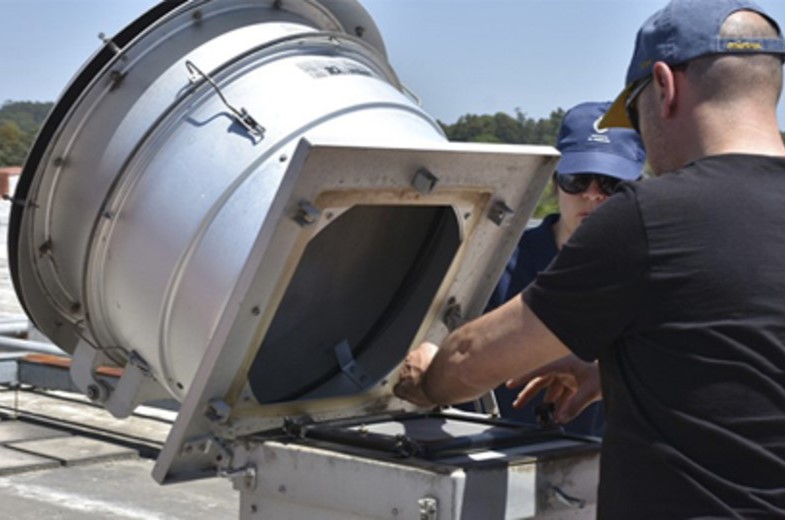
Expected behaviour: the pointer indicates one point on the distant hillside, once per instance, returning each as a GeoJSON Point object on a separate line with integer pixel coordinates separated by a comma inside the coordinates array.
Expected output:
{"type": "Point", "coordinates": [21, 120]}
{"type": "Point", "coordinates": [19, 124]}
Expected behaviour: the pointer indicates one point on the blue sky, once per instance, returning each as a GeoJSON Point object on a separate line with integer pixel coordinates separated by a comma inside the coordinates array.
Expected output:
{"type": "Point", "coordinates": [458, 56]}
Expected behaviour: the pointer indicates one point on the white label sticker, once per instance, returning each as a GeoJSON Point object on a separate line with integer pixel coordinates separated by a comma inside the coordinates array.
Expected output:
{"type": "Point", "coordinates": [330, 68]}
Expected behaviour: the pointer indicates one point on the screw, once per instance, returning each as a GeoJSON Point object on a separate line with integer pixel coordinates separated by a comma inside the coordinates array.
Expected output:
{"type": "Point", "coordinates": [115, 78]}
{"type": "Point", "coordinates": [93, 392]}
{"type": "Point", "coordinates": [306, 214]}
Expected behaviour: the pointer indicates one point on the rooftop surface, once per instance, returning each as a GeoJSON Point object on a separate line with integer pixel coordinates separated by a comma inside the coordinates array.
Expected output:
{"type": "Point", "coordinates": [61, 457]}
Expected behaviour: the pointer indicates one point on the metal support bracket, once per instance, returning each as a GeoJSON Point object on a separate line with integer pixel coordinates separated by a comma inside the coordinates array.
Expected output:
{"type": "Point", "coordinates": [212, 446]}
{"type": "Point", "coordinates": [84, 363]}
{"type": "Point", "coordinates": [135, 386]}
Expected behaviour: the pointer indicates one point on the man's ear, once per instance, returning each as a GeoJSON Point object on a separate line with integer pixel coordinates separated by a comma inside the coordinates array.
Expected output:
{"type": "Point", "coordinates": [664, 89]}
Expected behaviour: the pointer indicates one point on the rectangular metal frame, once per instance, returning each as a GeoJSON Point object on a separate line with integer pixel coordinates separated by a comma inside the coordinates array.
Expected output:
{"type": "Point", "coordinates": [493, 190]}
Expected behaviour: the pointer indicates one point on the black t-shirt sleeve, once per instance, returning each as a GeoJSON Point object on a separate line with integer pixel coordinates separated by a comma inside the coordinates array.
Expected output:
{"type": "Point", "coordinates": [595, 288]}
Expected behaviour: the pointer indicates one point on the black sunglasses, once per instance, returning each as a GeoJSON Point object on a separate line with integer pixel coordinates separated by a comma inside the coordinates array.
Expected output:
{"type": "Point", "coordinates": [629, 106]}
{"type": "Point", "coordinates": [580, 182]}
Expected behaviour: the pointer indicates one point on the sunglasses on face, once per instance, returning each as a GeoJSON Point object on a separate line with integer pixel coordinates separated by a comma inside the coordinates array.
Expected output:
{"type": "Point", "coordinates": [630, 105]}
{"type": "Point", "coordinates": [580, 182]}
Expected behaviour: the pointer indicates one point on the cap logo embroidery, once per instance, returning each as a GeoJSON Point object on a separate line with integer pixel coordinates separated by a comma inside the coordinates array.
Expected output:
{"type": "Point", "coordinates": [599, 133]}
{"type": "Point", "coordinates": [744, 46]}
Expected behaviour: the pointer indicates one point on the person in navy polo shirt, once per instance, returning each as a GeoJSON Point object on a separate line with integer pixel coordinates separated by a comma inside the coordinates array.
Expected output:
{"type": "Point", "coordinates": [593, 162]}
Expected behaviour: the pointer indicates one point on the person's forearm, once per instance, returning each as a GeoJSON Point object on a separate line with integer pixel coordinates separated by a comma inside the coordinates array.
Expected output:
{"type": "Point", "coordinates": [488, 351]}
{"type": "Point", "coordinates": [450, 378]}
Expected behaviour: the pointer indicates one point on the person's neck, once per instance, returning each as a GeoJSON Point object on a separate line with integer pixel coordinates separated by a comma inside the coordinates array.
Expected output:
{"type": "Point", "coordinates": [560, 232]}
{"type": "Point", "coordinates": [743, 131]}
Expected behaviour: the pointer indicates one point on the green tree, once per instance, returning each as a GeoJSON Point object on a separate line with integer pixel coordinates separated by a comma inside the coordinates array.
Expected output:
{"type": "Point", "coordinates": [503, 128]}
{"type": "Point", "coordinates": [13, 144]}
{"type": "Point", "coordinates": [19, 124]}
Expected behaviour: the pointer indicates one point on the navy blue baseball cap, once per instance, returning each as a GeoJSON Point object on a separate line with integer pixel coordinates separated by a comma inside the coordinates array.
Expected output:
{"type": "Point", "coordinates": [682, 31]}
{"type": "Point", "coordinates": [586, 148]}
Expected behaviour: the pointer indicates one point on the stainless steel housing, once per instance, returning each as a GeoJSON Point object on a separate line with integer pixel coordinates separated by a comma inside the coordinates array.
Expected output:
{"type": "Point", "coordinates": [150, 180]}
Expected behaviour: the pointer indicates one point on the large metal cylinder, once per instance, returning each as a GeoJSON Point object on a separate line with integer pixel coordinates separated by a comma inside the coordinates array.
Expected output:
{"type": "Point", "coordinates": [157, 167]}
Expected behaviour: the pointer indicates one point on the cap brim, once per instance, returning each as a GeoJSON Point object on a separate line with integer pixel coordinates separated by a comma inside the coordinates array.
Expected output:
{"type": "Point", "coordinates": [616, 115]}
{"type": "Point", "coordinates": [604, 163]}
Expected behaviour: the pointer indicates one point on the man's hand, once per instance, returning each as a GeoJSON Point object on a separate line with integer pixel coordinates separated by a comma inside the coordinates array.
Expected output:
{"type": "Point", "coordinates": [412, 375]}
{"type": "Point", "coordinates": [570, 383]}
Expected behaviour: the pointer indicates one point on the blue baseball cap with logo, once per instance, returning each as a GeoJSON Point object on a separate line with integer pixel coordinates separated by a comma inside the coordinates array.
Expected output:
{"type": "Point", "coordinates": [586, 148]}
{"type": "Point", "coordinates": [682, 31]}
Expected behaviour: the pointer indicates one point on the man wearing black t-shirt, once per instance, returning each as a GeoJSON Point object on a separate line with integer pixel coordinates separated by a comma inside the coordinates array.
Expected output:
{"type": "Point", "coordinates": [675, 287]}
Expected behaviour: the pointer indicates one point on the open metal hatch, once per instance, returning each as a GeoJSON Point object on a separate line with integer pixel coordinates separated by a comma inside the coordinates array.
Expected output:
{"type": "Point", "coordinates": [365, 252]}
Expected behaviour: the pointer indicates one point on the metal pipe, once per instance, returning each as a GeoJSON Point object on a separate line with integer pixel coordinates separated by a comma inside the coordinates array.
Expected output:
{"type": "Point", "coordinates": [14, 328]}
{"type": "Point", "coordinates": [13, 318]}
{"type": "Point", "coordinates": [13, 344]}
